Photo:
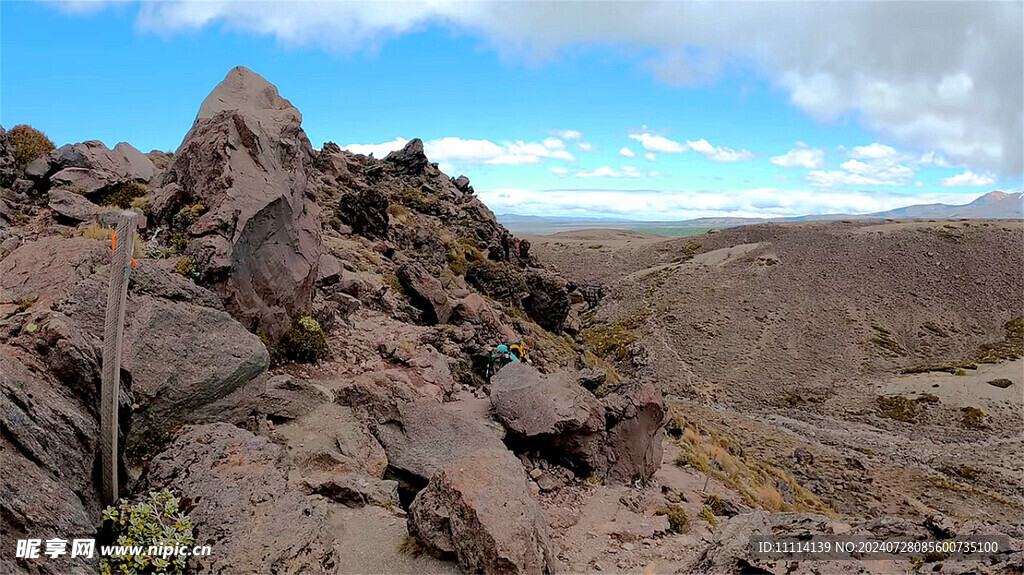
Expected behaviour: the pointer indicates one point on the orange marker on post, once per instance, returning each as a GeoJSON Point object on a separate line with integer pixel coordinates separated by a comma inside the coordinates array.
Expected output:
{"type": "Point", "coordinates": [113, 244]}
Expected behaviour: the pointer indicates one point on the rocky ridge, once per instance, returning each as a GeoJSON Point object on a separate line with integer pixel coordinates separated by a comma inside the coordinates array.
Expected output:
{"type": "Point", "coordinates": [244, 231]}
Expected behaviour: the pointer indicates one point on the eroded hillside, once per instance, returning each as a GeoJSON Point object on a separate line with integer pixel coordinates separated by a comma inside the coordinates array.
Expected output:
{"type": "Point", "coordinates": [877, 363]}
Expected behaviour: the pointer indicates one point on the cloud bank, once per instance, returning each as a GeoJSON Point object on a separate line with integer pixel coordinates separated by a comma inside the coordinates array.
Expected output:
{"type": "Point", "coordinates": [680, 205]}
{"type": "Point", "coordinates": [943, 76]}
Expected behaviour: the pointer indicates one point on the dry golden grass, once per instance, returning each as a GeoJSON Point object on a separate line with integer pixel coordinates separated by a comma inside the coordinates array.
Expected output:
{"type": "Point", "coordinates": [755, 479]}
{"type": "Point", "coordinates": [100, 232]}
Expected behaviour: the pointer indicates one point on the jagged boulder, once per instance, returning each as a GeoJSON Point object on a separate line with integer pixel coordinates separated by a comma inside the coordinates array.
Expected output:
{"type": "Point", "coordinates": [618, 438]}
{"type": "Point", "coordinates": [477, 509]}
{"type": "Point", "coordinates": [182, 354]}
{"type": "Point", "coordinates": [66, 261]}
{"type": "Point", "coordinates": [535, 406]}
{"type": "Point", "coordinates": [245, 161]}
{"type": "Point", "coordinates": [90, 167]}
{"type": "Point", "coordinates": [548, 299]}
{"type": "Point", "coordinates": [425, 436]}
{"type": "Point", "coordinates": [426, 292]}
{"type": "Point", "coordinates": [72, 206]}
{"type": "Point", "coordinates": [222, 357]}
{"type": "Point", "coordinates": [636, 429]}
{"type": "Point", "coordinates": [243, 504]}
{"type": "Point", "coordinates": [411, 159]}
{"type": "Point", "coordinates": [365, 211]}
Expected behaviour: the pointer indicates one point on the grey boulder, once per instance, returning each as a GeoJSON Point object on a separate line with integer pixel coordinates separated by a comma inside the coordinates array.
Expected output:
{"type": "Point", "coordinates": [478, 510]}
{"type": "Point", "coordinates": [244, 507]}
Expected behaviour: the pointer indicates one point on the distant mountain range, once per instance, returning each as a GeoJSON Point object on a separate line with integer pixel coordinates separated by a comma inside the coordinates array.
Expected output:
{"type": "Point", "coordinates": [993, 205]}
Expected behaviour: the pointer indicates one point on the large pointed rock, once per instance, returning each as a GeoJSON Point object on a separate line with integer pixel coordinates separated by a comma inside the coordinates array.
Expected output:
{"type": "Point", "coordinates": [245, 160]}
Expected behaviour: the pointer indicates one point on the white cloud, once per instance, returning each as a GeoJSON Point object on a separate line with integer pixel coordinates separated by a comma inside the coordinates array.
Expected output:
{"type": "Point", "coordinates": [560, 172]}
{"type": "Point", "coordinates": [377, 150]}
{"type": "Point", "coordinates": [627, 153]}
{"type": "Point", "coordinates": [717, 154]}
{"type": "Point", "coordinates": [872, 165]}
{"type": "Point", "coordinates": [453, 151]}
{"type": "Point", "coordinates": [874, 151]}
{"type": "Point", "coordinates": [608, 172]}
{"type": "Point", "coordinates": [569, 135]}
{"type": "Point", "coordinates": [951, 82]}
{"type": "Point", "coordinates": [585, 146]}
{"type": "Point", "coordinates": [933, 159]}
{"type": "Point", "coordinates": [656, 143]}
{"type": "Point", "coordinates": [650, 156]}
{"type": "Point", "coordinates": [968, 178]}
{"type": "Point", "coordinates": [686, 204]}
{"type": "Point", "coordinates": [800, 157]}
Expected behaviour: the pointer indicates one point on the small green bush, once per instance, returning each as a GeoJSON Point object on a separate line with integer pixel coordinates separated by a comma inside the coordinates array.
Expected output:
{"type": "Point", "coordinates": [156, 520]}
{"type": "Point", "coordinates": [974, 418]}
{"type": "Point", "coordinates": [897, 407]}
{"type": "Point", "coordinates": [500, 280]}
{"type": "Point", "coordinates": [122, 194]}
{"type": "Point", "coordinates": [24, 302]}
{"type": "Point", "coordinates": [677, 518]}
{"type": "Point", "coordinates": [708, 514]}
{"type": "Point", "coordinates": [188, 267]}
{"type": "Point", "coordinates": [305, 341]}
{"type": "Point", "coordinates": [187, 216]}
{"type": "Point", "coordinates": [29, 143]}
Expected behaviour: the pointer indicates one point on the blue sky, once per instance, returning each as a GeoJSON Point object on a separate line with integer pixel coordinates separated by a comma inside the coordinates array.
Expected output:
{"type": "Point", "coordinates": [659, 111]}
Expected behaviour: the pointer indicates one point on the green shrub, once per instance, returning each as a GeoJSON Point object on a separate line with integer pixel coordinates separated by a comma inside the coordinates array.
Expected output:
{"type": "Point", "coordinates": [29, 143]}
{"type": "Point", "coordinates": [24, 302]}
{"type": "Point", "coordinates": [677, 518]}
{"type": "Point", "coordinates": [609, 340]}
{"type": "Point", "coordinates": [305, 341]}
{"type": "Point", "coordinates": [974, 418]}
{"type": "Point", "coordinates": [141, 203]}
{"type": "Point", "coordinates": [708, 514]}
{"type": "Point", "coordinates": [392, 281]}
{"type": "Point", "coordinates": [156, 520]}
{"type": "Point", "coordinates": [460, 253]}
{"type": "Point", "coordinates": [897, 407]}
{"type": "Point", "coordinates": [122, 194]}
{"type": "Point", "coordinates": [188, 267]}
{"type": "Point", "coordinates": [500, 280]}
{"type": "Point", "coordinates": [187, 216]}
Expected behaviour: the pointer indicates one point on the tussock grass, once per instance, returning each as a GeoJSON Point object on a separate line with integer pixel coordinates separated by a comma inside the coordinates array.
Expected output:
{"type": "Point", "coordinates": [753, 478]}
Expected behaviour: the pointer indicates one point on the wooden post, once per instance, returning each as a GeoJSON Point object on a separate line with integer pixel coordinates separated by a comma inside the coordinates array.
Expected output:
{"type": "Point", "coordinates": [122, 245]}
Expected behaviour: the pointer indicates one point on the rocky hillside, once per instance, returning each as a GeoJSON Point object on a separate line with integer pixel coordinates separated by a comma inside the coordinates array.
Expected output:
{"type": "Point", "coordinates": [306, 346]}
{"type": "Point", "coordinates": [878, 363]}
{"type": "Point", "coordinates": [306, 336]}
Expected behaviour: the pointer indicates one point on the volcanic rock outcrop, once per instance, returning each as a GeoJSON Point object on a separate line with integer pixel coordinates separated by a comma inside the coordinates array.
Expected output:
{"type": "Point", "coordinates": [249, 235]}
{"type": "Point", "coordinates": [257, 242]}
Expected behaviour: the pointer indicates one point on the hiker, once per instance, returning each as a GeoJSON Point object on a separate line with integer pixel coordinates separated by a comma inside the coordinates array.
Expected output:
{"type": "Point", "coordinates": [504, 354]}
